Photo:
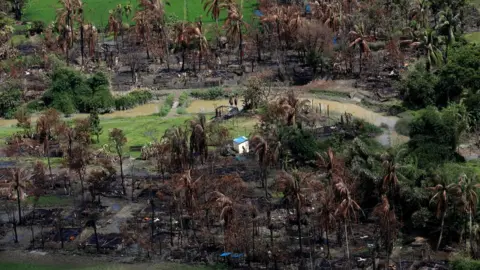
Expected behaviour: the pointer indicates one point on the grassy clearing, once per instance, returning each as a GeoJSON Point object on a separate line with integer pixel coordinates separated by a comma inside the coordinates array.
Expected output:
{"type": "Point", "coordinates": [473, 37]}
{"type": "Point", "coordinates": [141, 130]}
{"type": "Point", "coordinates": [329, 93]}
{"type": "Point", "coordinates": [51, 201]}
{"type": "Point", "coordinates": [97, 10]}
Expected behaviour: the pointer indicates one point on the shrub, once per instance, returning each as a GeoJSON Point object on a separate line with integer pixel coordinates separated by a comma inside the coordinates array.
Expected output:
{"type": "Point", "coordinates": [465, 264]}
{"type": "Point", "coordinates": [183, 100]}
{"type": "Point", "coordinates": [10, 98]}
{"type": "Point", "coordinates": [164, 110]}
{"type": "Point", "coordinates": [181, 110]}
{"type": "Point", "coordinates": [35, 106]}
{"type": "Point", "coordinates": [36, 27]}
{"type": "Point", "coordinates": [402, 127]}
{"type": "Point", "coordinates": [132, 99]}
{"type": "Point", "coordinates": [71, 91]}
{"type": "Point", "coordinates": [209, 94]}
{"type": "Point", "coordinates": [169, 100]}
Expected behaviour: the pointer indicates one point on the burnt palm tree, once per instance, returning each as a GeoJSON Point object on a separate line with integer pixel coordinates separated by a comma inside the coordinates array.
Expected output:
{"type": "Point", "coordinates": [388, 223]}
{"type": "Point", "coordinates": [294, 187]}
{"type": "Point", "coordinates": [46, 126]}
{"type": "Point", "coordinates": [442, 192]}
{"type": "Point", "coordinates": [326, 213]}
{"type": "Point", "coordinates": [234, 25]}
{"type": "Point", "coordinates": [177, 138]}
{"type": "Point", "coordinates": [225, 205]}
{"type": "Point", "coordinates": [469, 196]}
{"type": "Point", "coordinates": [21, 180]}
{"type": "Point", "coordinates": [66, 15]}
{"type": "Point", "coordinates": [198, 139]}
{"type": "Point", "coordinates": [346, 210]}
{"type": "Point", "coordinates": [359, 38]}
{"type": "Point", "coordinates": [267, 156]}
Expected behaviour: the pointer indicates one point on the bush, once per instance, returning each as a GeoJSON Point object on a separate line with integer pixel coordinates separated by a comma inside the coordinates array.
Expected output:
{"type": "Point", "coordinates": [132, 99]}
{"type": "Point", "coordinates": [377, 46]}
{"type": "Point", "coordinates": [465, 264]}
{"type": "Point", "coordinates": [10, 98]}
{"type": "Point", "coordinates": [36, 27]}
{"type": "Point", "coordinates": [418, 88]}
{"type": "Point", "coordinates": [183, 100]}
{"type": "Point", "coordinates": [164, 110]}
{"type": "Point", "coordinates": [35, 106]}
{"type": "Point", "coordinates": [209, 94]}
{"type": "Point", "coordinates": [70, 91]}
{"type": "Point", "coordinates": [402, 127]}
{"type": "Point", "coordinates": [181, 110]}
{"type": "Point", "coordinates": [169, 100]}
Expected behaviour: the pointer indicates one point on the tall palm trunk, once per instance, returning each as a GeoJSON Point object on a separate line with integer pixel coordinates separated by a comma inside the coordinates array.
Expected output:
{"type": "Point", "coordinates": [470, 232]}
{"type": "Point", "coordinates": [80, 175]}
{"type": "Point", "coordinates": [346, 243]}
{"type": "Point", "coordinates": [82, 45]}
{"type": "Point", "coordinates": [122, 176]}
{"type": "Point", "coordinates": [361, 64]}
{"type": "Point", "coordinates": [299, 225]}
{"type": "Point", "coordinates": [240, 46]}
{"type": "Point", "coordinates": [441, 229]}
{"type": "Point", "coordinates": [328, 243]}
{"type": "Point", "coordinates": [14, 223]}
{"type": "Point", "coordinates": [96, 236]}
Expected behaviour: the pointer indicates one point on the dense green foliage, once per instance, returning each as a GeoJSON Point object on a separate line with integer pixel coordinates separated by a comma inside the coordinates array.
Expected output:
{"type": "Point", "coordinates": [10, 98]}
{"type": "Point", "coordinates": [132, 99]}
{"type": "Point", "coordinates": [418, 88]}
{"type": "Point", "coordinates": [465, 264]}
{"type": "Point", "coordinates": [209, 94]}
{"type": "Point", "coordinates": [434, 134]}
{"type": "Point", "coordinates": [70, 91]}
{"type": "Point", "coordinates": [460, 77]}
{"type": "Point", "coordinates": [167, 105]}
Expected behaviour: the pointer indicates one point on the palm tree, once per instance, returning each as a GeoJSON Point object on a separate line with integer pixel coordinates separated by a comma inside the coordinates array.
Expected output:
{"type": "Point", "coordinates": [114, 25]}
{"type": "Point", "coordinates": [429, 44]}
{"type": "Point", "coordinates": [177, 138]}
{"type": "Point", "coordinates": [46, 125]}
{"type": "Point", "coordinates": [225, 205]}
{"type": "Point", "coordinates": [189, 189]}
{"type": "Point", "coordinates": [468, 188]}
{"type": "Point", "coordinates": [326, 213]}
{"type": "Point", "coordinates": [201, 41]}
{"type": "Point", "coordinates": [448, 23]}
{"type": "Point", "coordinates": [267, 155]}
{"type": "Point", "coordinates": [234, 25]}
{"type": "Point", "coordinates": [294, 187]}
{"type": "Point", "coordinates": [198, 139]}
{"type": "Point", "coordinates": [346, 209]}
{"type": "Point", "coordinates": [441, 193]}
{"type": "Point", "coordinates": [66, 15]}
{"type": "Point", "coordinates": [21, 180]}
{"type": "Point", "coordinates": [388, 223]}
{"type": "Point", "coordinates": [359, 39]}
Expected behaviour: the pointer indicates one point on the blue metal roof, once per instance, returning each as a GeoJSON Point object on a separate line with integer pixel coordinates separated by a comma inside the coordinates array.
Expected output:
{"type": "Point", "coordinates": [240, 139]}
{"type": "Point", "coordinates": [237, 255]}
{"type": "Point", "coordinates": [225, 254]}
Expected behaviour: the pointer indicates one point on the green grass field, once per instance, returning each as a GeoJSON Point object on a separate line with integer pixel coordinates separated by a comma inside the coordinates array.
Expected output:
{"type": "Point", "coordinates": [141, 130]}
{"type": "Point", "coordinates": [473, 37]}
{"type": "Point", "coordinates": [97, 10]}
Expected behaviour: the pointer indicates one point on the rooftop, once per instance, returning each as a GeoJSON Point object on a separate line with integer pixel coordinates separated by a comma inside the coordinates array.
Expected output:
{"type": "Point", "coordinates": [240, 139]}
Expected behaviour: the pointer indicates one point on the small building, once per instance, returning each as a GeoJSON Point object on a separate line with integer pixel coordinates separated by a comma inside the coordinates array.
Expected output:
{"type": "Point", "coordinates": [240, 144]}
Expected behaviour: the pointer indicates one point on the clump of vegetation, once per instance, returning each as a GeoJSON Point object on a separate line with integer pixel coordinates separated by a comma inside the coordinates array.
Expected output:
{"type": "Point", "coordinates": [167, 105]}
{"type": "Point", "coordinates": [132, 99]}
{"type": "Point", "coordinates": [10, 98]}
{"type": "Point", "coordinates": [209, 94]}
{"type": "Point", "coordinates": [71, 91]}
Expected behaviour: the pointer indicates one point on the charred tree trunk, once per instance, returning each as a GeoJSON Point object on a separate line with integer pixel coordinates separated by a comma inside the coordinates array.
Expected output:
{"type": "Point", "coordinates": [441, 230]}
